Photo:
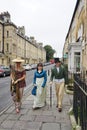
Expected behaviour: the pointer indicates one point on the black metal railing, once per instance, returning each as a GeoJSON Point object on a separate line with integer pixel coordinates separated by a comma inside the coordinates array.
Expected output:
{"type": "Point", "coordinates": [80, 102]}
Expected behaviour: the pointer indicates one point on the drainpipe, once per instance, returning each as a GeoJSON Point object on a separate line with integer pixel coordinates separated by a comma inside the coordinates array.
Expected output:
{"type": "Point", "coordinates": [3, 38]}
{"type": "Point", "coordinates": [25, 51]}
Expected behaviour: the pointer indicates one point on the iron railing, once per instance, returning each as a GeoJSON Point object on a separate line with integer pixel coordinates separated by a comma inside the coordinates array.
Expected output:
{"type": "Point", "coordinates": [80, 102]}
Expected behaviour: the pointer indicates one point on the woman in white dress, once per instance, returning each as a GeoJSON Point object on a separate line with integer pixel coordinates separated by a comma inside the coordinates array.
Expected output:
{"type": "Point", "coordinates": [40, 79]}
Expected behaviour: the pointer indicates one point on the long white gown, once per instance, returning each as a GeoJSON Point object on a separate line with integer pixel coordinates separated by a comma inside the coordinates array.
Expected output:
{"type": "Point", "coordinates": [40, 98]}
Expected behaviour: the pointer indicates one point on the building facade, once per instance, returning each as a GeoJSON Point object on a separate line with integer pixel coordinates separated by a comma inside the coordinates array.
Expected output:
{"type": "Point", "coordinates": [76, 40]}
{"type": "Point", "coordinates": [14, 43]}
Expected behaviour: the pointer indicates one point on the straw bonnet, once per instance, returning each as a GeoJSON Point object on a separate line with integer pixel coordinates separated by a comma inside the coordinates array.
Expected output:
{"type": "Point", "coordinates": [18, 60]}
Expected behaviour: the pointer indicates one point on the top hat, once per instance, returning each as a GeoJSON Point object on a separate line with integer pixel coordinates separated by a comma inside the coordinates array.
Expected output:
{"type": "Point", "coordinates": [57, 60]}
{"type": "Point", "coordinates": [18, 60]}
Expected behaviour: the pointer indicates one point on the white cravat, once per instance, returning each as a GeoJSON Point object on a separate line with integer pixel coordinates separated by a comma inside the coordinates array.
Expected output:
{"type": "Point", "coordinates": [58, 69]}
{"type": "Point", "coordinates": [59, 80]}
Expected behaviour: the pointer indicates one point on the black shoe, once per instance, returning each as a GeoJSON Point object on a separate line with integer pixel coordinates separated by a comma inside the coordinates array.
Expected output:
{"type": "Point", "coordinates": [35, 108]}
{"type": "Point", "coordinates": [59, 109]}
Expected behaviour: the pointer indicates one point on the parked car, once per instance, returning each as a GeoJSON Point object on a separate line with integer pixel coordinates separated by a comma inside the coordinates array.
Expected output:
{"type": "Point", "coordinates": [34, 66]}
{"type": "Point", "coordinates": [4, 70]}
{"type": "Point", "coordinates": [27, 67]}
{"type": "Point", "coordinates": [47, 63]}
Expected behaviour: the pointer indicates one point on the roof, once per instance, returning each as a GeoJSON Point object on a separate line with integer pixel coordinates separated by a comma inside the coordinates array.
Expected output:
{"type": "Point", "coordinates": [77, 3]}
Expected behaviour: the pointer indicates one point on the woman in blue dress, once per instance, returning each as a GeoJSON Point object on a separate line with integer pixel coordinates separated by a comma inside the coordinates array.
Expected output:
{"type": "Point", "coordinates": [40, 79]}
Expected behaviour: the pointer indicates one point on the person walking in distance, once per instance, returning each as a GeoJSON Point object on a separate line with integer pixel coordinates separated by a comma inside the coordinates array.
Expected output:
{"type": "Point", "coordinates": [60, 78]}
{"type": "Point", "coordinates": [18, 83]}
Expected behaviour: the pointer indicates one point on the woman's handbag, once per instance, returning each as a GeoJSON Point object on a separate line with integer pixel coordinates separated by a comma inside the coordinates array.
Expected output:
{"type": "Point", "coordinates": [12, 88]}
{"type": "Point", "coordinates": [34, 90]}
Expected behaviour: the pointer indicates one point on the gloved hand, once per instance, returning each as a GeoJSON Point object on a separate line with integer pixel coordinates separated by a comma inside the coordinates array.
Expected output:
{"type": "Point", "coordinates": [15, 82]}
{"type": "Point", "coordinates": [34, 85]}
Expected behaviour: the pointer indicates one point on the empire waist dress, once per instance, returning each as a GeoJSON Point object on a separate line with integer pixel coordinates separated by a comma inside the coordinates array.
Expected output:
{"type": "Point", "coordinates": [40, 80]}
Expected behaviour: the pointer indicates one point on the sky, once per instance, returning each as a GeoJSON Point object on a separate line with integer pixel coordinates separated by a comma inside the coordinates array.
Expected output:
{"type": "Point", "coordinates": [47, 20]}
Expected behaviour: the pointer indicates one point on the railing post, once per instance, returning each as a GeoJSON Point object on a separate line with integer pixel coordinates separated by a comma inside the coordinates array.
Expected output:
{"type": "Point", "coordinates": [80, 102]}
{"type": "Point", "coordinates": [50, 95]}
{"type": "Point", "coordinates": [48, 72]}
{"type": "Point", "coordinates": [86, 114]}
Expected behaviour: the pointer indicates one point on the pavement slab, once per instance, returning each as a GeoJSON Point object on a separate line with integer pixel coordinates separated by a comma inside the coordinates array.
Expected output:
{"type": "Point", "coordinates": [8, 124]}
{"type": "Point", "coordinates": [45, 118]}
{"type": "Point", "coordinates": [51, 126]}
{"type": "Point", "coordinates": [13, 117]}
{"type": "Point", "coordinates": [66, 126]}
{"type": "Point", "coordinates": [27, 118]}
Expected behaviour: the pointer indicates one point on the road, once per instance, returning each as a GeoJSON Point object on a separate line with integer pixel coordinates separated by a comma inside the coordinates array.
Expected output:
{"type": "Point", "coordinates": [5, 96]}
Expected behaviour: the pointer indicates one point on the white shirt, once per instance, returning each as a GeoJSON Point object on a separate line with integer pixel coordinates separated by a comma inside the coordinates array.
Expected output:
{"type": "Point", "coordinates": [59, 80]}
{"type": "Point", "coordinates": [58, 69]}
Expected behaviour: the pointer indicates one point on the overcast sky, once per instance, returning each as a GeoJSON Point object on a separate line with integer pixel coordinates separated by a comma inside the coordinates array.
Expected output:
{"type": "Point", "coordinates": [47, 20]}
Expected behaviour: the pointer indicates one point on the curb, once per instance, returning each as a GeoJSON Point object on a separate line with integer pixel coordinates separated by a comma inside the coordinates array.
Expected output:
{"type": "Point", "coordinates": [68, 91]}
{"type": "Point", "coordinates": [71, 115]}
{"type": "Point", "coordinates": [5, 109]}
{"type": "Point", "coordinates": [73, 121]}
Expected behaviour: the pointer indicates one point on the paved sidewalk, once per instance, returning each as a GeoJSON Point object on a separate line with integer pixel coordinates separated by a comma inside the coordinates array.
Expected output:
{"type": "Point", "coordinates": [46, 118]}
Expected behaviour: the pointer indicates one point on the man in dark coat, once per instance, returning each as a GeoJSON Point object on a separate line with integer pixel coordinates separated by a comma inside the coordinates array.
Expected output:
{"type": "Point", "coordinates": [60, 78]}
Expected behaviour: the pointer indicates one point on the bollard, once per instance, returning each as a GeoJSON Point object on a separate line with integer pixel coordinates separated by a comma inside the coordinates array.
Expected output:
{"type": "Point", "coordinates": [50, 95]}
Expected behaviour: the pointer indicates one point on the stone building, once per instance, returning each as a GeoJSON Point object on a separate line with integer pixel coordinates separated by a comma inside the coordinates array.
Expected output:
{"type": "Point", "coordinates": [14, 43]}
{"type": "Point", "coordinates": [75, 46]}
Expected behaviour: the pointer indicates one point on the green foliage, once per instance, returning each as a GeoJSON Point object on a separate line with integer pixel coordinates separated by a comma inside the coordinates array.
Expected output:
{"type": "Point", "coordinates": [71, 81]}
{"type": "Point", "coordinates": [49, 52]}
{"type": "Point", "coordinates": [66, 67]}
{"type": "Point", "coordinates": [71, 112]}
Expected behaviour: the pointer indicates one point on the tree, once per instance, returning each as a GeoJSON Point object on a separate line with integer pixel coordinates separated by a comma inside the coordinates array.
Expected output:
{"type": "Point", "coordinates": [49, 52]}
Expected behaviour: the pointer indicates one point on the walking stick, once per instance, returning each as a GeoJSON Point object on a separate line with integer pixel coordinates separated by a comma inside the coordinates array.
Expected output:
{"type": "Point", "coordinates": [50, 95]}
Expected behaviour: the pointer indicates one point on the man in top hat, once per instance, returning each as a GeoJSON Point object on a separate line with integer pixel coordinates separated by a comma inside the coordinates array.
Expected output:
{"type": "Point", "coordinates": [60, 78]}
